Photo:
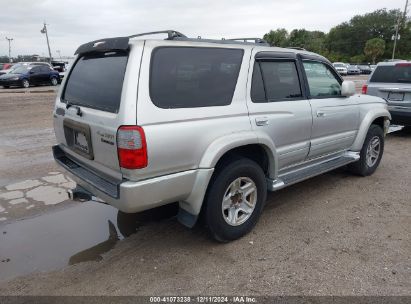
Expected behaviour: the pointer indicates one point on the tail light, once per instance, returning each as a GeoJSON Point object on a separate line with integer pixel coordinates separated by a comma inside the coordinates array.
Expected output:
{"type": "Point", "coordinates": [364, 89]}
{"type": "Point", "coordinates": [132, 147]}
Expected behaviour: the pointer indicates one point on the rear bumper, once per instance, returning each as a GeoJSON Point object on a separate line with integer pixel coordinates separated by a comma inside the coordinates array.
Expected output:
{"type": "Point", "coordinates": [400, 115]}
{"type": "Point", "coordinates": [130, 196]}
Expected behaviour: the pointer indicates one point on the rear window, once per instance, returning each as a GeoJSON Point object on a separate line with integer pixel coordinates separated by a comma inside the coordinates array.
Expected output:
{"type": "Point", "coordinates": [392, 73]}
{"type": "Point", "coordinates": [96, 81]}
{"type": "Point", "coordinates": [188, 77]}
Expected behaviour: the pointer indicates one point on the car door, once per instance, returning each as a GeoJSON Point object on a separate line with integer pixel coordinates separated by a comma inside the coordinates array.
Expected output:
{"type": "Point", "coordinates": [35, 75]}
{"type": "Point", "coordinates": [278, 105]}
{"type": "Point", "coordinates": [335, 117]}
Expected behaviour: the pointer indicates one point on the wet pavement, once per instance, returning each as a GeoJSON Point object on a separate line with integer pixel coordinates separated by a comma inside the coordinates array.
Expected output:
{"type": "Point", "coordinates": [80, 233]}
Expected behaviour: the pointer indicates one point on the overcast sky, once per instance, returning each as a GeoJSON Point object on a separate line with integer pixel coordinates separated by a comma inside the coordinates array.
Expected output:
{"type": "Point", "coordinates": [73, 22]}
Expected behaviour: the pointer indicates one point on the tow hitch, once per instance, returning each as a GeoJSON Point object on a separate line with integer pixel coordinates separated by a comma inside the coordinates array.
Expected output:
{"type": "Point", "coordinates": [79, 194]}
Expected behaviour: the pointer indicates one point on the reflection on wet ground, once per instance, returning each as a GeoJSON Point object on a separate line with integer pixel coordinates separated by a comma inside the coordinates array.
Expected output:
{"type": "Point", "coordinates": [77, 234]}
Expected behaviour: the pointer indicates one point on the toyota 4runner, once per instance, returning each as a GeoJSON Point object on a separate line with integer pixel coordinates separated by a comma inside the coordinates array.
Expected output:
{"type": "Point", "coordinates": [211, 124]}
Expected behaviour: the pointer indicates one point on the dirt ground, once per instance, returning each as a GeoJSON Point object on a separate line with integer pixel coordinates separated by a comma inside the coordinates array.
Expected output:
{"type": "Point", "coordinates": [335, 234]}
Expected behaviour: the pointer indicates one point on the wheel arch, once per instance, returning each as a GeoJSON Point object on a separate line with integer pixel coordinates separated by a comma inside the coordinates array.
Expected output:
{"type": "Point", "coordinates": [376, 116]}
{"type": "Point", "coordinates": [249, 144]}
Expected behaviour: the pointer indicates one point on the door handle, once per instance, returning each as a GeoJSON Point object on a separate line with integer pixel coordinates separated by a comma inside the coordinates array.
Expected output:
{"type": "Point", "coordinates": [261, 121]}
{"type": "Point", "coordinates": [320, 114]}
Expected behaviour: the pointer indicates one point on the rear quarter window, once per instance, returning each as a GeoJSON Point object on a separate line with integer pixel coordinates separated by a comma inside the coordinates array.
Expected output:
{"type": "Point", "coordinates": [96, 81]}
{"type": "Point", "coordinates": [399, 73]}
{"type": "Point", "coordinates": [189, 77]}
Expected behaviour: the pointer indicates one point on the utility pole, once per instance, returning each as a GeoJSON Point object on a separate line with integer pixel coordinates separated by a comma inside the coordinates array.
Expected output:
{"type": "Point", "coordinates": [44, 31]}
{"type": "Point", "coordinates": [397, 28]}
{"type": "Point", "coordinates": [9, 40]}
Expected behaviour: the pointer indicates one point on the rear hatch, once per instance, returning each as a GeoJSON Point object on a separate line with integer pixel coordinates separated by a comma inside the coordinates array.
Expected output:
{"type": "Point", "coordinates": [92, 104]}
{"type": "Point", "coordinates": [393, 83]}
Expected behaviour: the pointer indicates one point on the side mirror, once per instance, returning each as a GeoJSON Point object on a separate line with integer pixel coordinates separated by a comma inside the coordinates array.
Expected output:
{"type": "Point", "coordinates": [31, 72]}
{"type": "Point", "coordinates": [348, 88]}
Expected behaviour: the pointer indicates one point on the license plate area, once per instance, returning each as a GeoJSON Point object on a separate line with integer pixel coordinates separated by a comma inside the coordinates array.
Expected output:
{"type": "Point", "coordinates": [78, 138]}
{"type": "Point", "coordinates": [395, 96]}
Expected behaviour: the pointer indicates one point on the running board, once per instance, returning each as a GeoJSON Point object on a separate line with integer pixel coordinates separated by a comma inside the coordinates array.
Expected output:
{"type": "Point", "coordinates": [311, 170]}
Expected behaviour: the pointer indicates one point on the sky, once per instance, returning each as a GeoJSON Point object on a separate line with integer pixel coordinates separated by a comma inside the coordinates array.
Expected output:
{"type": "Point", "coordinates": [73, 22]}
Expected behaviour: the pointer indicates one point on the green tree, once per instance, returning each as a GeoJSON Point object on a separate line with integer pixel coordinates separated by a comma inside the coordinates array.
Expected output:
{"type": "Point", "coordinates": [374, 47]}
{"type": "Point", "coordinates": [278, 37]}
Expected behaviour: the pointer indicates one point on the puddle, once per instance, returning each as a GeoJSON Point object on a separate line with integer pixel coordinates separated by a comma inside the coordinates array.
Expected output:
{"type": "Point", "coordinates": [77, 234]}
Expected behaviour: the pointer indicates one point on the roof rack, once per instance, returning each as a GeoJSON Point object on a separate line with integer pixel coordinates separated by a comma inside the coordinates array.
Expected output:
{"type": "Point", "coordinates": [296, 48]}
{"type": "Point", "coordinates": [255, 40]}
{"type": "Point", "coordinates": [170, 33]}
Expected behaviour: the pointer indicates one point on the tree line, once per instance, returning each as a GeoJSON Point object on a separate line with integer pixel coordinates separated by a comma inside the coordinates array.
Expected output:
{"type": "Point", "coordinates": [364, 38]}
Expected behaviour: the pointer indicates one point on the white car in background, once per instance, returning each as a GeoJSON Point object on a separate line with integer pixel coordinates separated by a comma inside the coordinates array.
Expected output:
{"type": "Point", "coordinates": [341, 68]}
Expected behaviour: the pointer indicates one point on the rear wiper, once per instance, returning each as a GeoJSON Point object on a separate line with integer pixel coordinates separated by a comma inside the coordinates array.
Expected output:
{"type": "Point", "coordinates": [69, 105]}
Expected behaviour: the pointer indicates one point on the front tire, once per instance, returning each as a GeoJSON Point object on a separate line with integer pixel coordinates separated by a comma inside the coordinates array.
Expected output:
{"type": "Point", "coordinates": [235, 199]}
{"type": "Point", "coordinates": [25, 83]}
{"type": "Point", "coordinates": [371, 152]}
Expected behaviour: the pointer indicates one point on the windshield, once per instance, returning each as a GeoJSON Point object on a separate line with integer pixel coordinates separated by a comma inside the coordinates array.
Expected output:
{"type": "Point", "coordinates": [96, 81]}
{"type": "Point", "coordinates": [400, 73]}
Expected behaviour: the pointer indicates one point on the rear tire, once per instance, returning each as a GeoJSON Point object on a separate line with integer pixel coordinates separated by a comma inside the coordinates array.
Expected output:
{"type": "Point", "coordinates": [6, 87]}
{"type": "Point", "coordinates": [235, 199]}
{"type": "Point", "coordinates": [371, 152]}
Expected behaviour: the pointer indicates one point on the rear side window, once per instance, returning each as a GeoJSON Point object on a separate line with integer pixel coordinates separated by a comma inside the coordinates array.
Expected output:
{"type": "Point", "coordinates": [275, 81]}
{"type": "Point", "coordinates": [188, 77]}
{"type": "Point", "coordinates": [96, 81]}
{"type": "Point", "coordinates": [400, 73]}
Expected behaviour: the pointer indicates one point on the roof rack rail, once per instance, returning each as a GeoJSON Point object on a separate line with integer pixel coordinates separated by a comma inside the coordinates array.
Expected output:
{"type": "Point", "coordinates": [296, 48]}
{"type": "Point", "coordinates": [170, 33]}
{"type": "Point", "coordinates": [255, 40]}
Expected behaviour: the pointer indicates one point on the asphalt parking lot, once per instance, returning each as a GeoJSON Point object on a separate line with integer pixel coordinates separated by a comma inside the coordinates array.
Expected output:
{"type": "Point", "coordinates": [335, 234]}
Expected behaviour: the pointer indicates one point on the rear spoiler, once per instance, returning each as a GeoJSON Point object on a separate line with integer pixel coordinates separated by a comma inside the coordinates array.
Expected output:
{"type": "Point", "coordinates": [120, 43]}
{"type": "Point", "coordinates": [104, 45]}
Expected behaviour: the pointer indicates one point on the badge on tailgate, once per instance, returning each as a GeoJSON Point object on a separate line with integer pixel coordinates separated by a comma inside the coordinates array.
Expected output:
{"type": "Point", "coordinates": [78, 137]}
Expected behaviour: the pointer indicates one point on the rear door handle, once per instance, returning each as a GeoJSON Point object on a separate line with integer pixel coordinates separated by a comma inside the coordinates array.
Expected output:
{"type": "Point", "coordinates": [320, 114]}
{"type": "Point", "coordinates": [261, 121]}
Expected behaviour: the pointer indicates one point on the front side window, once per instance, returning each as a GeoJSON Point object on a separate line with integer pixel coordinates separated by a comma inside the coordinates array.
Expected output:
{"type": "Point", "coordinates": [189, 77]}
{"type": "Point", "coordinates": [322, 81]}
{"type": "Point", "coordinates": [275, 81]}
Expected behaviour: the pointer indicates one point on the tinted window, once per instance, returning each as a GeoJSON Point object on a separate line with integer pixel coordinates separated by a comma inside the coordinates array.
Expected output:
{"type": "Point", "coordinates": [96, 81]}
{"type": "Point", "coordinates": [398, 73]}
{"type": "Point", "coordinates": [36, 69]}
{"type": "Point", "coordinates": [184, 77]}
{"type": "Point", "coordinates": [279, 78]}
{"type": "Point", "coordinates": [321, 80]}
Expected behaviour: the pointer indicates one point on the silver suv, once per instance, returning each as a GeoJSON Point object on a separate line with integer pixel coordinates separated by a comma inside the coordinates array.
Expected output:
{"type": "Point", "coordinates": [392, 81]}
{"type": "Point", "coordinates": [211, 124]}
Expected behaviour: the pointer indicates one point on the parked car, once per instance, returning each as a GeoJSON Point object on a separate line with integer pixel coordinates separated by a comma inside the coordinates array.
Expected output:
{"type": "Point", "coordinates": [365, 69]}
{"type": "Point", "coordinates": [212, 124]}
{"type": "Point", "coordinates": [5, 68]}
{"type": "Point", "coordinates": [59, 66]}
{"type": "Point", "coordinates": [353, 70]}
{"type": "Point", "coordinates": [26, 75]}
{"type": "Point", "coordinates": [392, 81]}
{"type": "Point", "coordinates": [341, 68]}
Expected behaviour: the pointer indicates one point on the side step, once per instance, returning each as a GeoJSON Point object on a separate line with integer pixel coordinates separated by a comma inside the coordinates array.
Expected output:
{"type": "Point", "coordinates": [311, 170]}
